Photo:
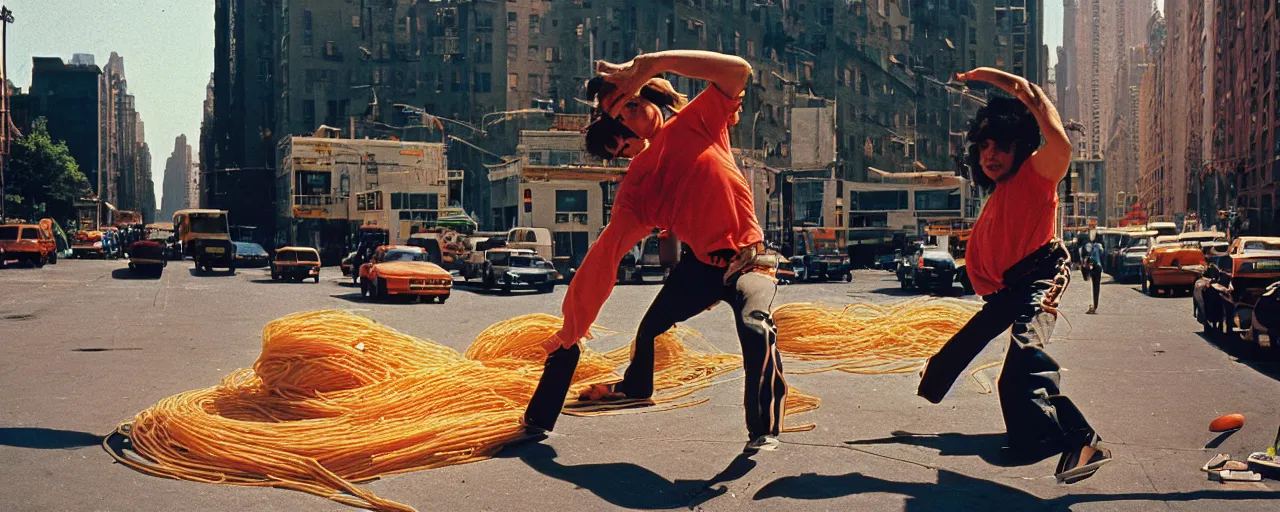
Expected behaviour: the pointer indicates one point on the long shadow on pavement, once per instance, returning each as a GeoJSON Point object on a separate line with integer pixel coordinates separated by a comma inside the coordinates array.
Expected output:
{"type": "Point", "coordinates": [128, 274]}
{"type": "Point", "coordinates": [1245, 353]}
{"type": "Point", "coordinates": [47, 438]}
{"type": "Point", "coordinates": [398, 300]}
{"type": "Point", "coordinates": [628, 485]}
{"type": "Point", "coordinates": [955, 491]}
{"type": "Point", "coordinates": [215, 273]}
{"type": "Point", "coordinates": [985, 446]}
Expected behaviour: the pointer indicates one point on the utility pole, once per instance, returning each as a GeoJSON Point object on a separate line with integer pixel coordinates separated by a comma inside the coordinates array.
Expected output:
{"type": "Point", "coordinates": [6, 17]}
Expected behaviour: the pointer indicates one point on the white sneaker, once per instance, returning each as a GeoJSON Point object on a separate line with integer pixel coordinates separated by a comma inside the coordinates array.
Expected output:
{"type": "Point", "coordinates": [765, 443]}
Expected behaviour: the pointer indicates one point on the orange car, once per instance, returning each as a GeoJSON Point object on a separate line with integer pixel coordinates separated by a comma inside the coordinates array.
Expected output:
{"type": "Point", "coordinates": [27, 243]}
{"type": "Point", "coordinates": [404, 270]}
{"type": "Point", "coordinates": [1172, 266]}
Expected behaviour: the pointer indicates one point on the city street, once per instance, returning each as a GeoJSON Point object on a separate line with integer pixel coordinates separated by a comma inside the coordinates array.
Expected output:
{"type": "Point", "coordinates": [87, 345]}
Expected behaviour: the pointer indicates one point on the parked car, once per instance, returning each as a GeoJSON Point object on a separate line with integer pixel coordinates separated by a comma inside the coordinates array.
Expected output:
{"type": "Point", "coordinates": [27, 243]}
{"type": "Point", "coordinates": [1246, 244]}
{"type": "Point", "coordinates": [1266, 319]}
{"type": "Point", "coordinates": [927, 267]}
{"type": "Point", "coordinates": [404, 270]}
{"type": "Point", "coordinates": [149, 255]}
{"type": "Point", "coordinates": [296, 263]}
{"type": "Point", "coordinates": [249, 255]}
{"type": "Point", "coordinates": [518, 268]}
{"type": "Point", "coordinates": [1172, 267]}
{"type": "Point", "coordinates": [1226, 299]}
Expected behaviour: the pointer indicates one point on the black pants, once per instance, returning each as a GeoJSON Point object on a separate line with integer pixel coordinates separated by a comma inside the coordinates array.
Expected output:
{"type": "Point", "coordinates": [691, 288]}
{"type": "Point", "coordinates": [1093, 273]}
{"type": "Point", "coordinates": [1036, 414]}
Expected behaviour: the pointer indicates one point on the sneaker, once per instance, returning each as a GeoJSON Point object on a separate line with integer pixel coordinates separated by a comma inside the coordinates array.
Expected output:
{"type": "Point", "coordinates": [765, 443]}
{"type": "Point", "coordinates": [1082, 463]}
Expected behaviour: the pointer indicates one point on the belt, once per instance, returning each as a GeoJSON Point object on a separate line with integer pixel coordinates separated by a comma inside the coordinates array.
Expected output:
{"type": "Point", "coordinates": [753, 258]}
{"type": "Point", "coordinates": [1051, 251]}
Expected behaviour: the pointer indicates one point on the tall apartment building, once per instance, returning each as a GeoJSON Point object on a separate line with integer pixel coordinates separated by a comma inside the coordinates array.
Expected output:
{"type": "Point", "coordinates": [1245, 150]}
{"type": "Point", "coordinates": [68, 96]}
{"type": "Point", "coordinates": [1104, 31]}
{"type": "Point", "coordinates": [177, 171]}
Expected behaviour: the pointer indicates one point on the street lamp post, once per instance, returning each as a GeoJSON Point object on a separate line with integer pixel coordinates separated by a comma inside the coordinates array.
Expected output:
{"type": "Point", "coordinates": [6, 17]}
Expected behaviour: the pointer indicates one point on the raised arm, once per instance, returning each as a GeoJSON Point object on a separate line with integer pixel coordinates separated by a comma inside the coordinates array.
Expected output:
{"type": "Point", "coordinates": [1053, 159]}
{"type": "Point", "coordinates": [728, 73]}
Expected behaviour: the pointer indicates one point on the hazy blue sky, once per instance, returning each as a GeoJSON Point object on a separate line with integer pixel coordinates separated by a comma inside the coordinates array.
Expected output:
{"type": "Point", "coordinates": [167, 46]}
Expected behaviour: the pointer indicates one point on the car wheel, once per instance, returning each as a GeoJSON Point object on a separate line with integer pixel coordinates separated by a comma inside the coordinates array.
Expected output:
{"type": "Point", "coordinates": [53, 258]}
{"type": "Point", "coordinates": [275, 276]}
{"type": "Point", "coordinates": [442, 298]}
{"type": "Point", "coordinates": [317, 278]}
{"type": "Point", "coordinates": [381, 287]}
{"type": "Point", "coordinates": [848, 277]}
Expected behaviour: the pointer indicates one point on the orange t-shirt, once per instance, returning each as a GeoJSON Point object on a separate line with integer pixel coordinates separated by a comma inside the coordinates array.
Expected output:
{"type": "Point", "coordinates": [686, 182]}
{"type": "Point", "coordinates": [1017, 220]}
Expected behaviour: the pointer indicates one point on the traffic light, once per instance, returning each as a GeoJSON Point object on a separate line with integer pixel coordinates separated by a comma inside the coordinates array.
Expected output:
{"type": "Point", "coordinates": [528, 201]}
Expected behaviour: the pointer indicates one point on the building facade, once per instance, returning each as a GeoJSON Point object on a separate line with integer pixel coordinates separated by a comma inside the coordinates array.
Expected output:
{"type": "Point", "coordinates": [68, 96]}
{"type": "Point", "coordinates": [1245, 151]}
{"type": "Point", "coordinates": [177, 176]}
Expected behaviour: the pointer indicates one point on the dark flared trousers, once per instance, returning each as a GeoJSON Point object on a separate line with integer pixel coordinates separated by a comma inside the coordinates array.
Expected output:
{"type": "Point", "coordinates": [1036, 413]}
{"type": "Point", "coordinates": [691, 288]}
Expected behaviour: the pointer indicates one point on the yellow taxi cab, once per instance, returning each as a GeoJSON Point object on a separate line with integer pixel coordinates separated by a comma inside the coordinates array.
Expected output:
{"type": "Point", "coordinates": [1172, 267]}
{"type": "Point", "coordinates": [296, 264]}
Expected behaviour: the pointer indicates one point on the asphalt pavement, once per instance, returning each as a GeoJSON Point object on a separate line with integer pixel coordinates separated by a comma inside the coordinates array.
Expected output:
{"type": "Point", "coordinates": [86, 345]}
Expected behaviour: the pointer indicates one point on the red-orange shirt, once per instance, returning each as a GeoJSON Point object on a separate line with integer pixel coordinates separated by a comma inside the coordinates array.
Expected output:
{"type": "Point", "coordinates": [1017, 219]}
{"type": "Point", "coordinates": [686, 182]}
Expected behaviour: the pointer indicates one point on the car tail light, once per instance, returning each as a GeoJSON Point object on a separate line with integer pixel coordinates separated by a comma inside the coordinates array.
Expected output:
{"type": "Point", "coordinates": [920, 263]}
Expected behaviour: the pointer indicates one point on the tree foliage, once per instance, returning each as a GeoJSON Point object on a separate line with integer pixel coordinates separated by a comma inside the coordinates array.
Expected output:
{"type": "Point", "coordinates": [41, 178]}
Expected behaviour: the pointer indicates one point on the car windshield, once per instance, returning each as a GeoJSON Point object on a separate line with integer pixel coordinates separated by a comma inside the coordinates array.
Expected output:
{"type": "Point", "coordinates": [525, 262]}
{"type": "Point", "coordinates": [404, 255]}
{"type": "Point", "coordinates": [30, 234]}
{"type": "Point", "coordinates": [249, 248]}
{"type": "Point", "coordinates": [8, 232]}
{"type": "Point", "coordinates": [208, 223]}
{"type": "Point", "coordinates": [1261, 245]}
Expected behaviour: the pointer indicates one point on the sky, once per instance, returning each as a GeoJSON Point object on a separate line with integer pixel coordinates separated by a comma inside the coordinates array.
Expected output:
{"type": "Point", "coordinates": [167, 46]}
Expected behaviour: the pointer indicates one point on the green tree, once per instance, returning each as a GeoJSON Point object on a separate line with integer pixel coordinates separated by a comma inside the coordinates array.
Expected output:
{"type": "Point", "coordinates": [41, 174]}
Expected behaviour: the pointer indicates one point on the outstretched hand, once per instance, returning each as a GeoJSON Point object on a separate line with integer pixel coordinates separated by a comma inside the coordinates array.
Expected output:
{"type": "Point", "coordinates": [1025, 91]}
{"type": "Point", "coordinates": [628, 78]}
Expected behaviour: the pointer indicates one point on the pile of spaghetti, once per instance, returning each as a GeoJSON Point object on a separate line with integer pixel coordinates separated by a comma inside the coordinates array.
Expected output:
{"type": "Point", "coordinates": [336, 399]}
{"type": "Point", "coordinates": [868, 338]}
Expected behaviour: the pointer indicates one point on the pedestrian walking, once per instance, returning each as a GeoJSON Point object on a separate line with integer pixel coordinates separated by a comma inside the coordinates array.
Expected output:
{"type": "Point", "coordinates": [1091, 268]}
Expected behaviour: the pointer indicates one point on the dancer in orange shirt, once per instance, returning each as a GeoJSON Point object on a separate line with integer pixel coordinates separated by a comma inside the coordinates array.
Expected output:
{"type": "Point", "coordinates": [1020, 270]}
{"type": "Point", "coordinates": [684, 180]}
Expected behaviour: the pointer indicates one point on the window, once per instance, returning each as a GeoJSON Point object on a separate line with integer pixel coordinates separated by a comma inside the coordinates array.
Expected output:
{"type": "Point", "coordinates": [571, 200]}
{"type": "Point", "coordinates": [512, 52]}
{"type": "Point", "coordinates": [570, 244]}
{"type": "Point", "coordinates": [535, 83]}
{"type": "Point", "coordinates": [424, 201]}
{"type": "Point", "coordinates": [879, 200]}
{"type": "Point", "coordinates": [483, 82]}
{"type": "Point", "coordinates": [938, 199]}
{"type": "Point", "coordinates": [306, 28]}
{"type": "Point", "coordinates": [533, 52]}
{"type": "Point", "coordinates": [535, 24]}
{"type": "Point", "coordinates": [309, 113]}
{"type": "Point", "coordinates": [513, 81]}
{"type": "Point", "coordinates": [553, 54]}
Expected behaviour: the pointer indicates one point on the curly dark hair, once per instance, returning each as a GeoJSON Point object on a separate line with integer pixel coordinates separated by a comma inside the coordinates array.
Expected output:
{"type": "Point", "coordinates": [1010, 125]}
